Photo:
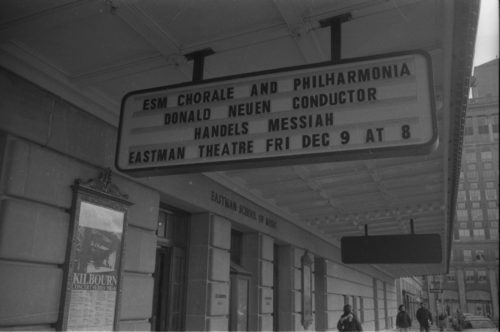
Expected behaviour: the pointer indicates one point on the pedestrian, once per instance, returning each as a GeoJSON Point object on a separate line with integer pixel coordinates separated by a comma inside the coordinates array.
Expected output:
{"type": "Point", "coordinates": [424, 317]}
{"type": "Point", "coordinates": [348, 321]}
{"type": "Point", "coordinates": [403, 320]}
{"type": "Point", "coordinates": [460, 319]}
{"type": "Point", "coordinates": [442, 318]}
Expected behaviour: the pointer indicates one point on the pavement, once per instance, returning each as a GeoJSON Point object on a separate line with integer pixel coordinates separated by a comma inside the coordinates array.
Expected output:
{"type": "Point", "coordinates": [413, 329]}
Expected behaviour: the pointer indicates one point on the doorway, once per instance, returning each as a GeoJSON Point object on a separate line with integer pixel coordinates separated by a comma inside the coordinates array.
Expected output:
{"type": "Point", "coordinates": [169, 275]}
{"type": "Point", "coordinates": [239, 286]}
{"type": "Point", "coordinates": [239, 298]}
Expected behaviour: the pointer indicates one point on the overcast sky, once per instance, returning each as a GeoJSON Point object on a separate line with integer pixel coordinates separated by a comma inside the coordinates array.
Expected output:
{"type": "Point", "coordinates": [487, 33]}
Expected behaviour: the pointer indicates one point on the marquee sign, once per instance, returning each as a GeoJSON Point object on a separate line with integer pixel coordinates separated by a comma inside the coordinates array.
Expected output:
{"type": "Point", "coordinates": [358, 109]}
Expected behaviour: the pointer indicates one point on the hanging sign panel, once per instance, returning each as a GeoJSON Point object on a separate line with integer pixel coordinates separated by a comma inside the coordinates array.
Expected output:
{"type": "Point", "coordinates": [358, 109]}
{"type": "Point", "coordinates": [392, 249]}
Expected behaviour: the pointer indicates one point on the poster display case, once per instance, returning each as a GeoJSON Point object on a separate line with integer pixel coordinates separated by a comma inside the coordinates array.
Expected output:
{"type": "Point", "coordinates": [93, 270]}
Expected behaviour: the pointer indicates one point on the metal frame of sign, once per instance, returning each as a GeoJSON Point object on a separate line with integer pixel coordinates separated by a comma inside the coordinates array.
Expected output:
{"type": "Point", "coordinates": [156, 133]}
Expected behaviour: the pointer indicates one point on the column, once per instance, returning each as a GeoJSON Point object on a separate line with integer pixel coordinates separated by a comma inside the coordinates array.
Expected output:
{"type": "Point", "coordinates": [207, 306]}
{"type": "Point", "coordinates": [321, 294]}
{"type": "Point", "coordinates": [461, 290]}
{"type": "Point", "coordinates": [257, 258]}
{"type": "Point", "coordinates": [375, 303]}
{"type": "Point", "coordinates": [386, 313]}
{"type": "Point", "coordinates": [492, 277]}
{"type": "Point", "coordinates": [286, 294]}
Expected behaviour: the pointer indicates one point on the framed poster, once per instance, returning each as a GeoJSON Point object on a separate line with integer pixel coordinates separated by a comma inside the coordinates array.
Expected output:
{"type": "Point", "coordinates": [91, 298]}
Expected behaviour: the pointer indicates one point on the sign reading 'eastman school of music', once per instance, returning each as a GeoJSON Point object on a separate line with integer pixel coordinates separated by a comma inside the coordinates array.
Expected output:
{"type": "Point", "coordinates": [368, 108]}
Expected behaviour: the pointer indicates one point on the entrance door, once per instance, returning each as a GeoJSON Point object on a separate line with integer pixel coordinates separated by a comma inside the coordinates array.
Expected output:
{"type": "Point", "coordinates": [168, 301]}
{"type": "Point", "coordinates": [169, 288]}
{"type": "Point", "coordinates": [160, 319]}
{"type": "Point", "coordinates": [238, 302]}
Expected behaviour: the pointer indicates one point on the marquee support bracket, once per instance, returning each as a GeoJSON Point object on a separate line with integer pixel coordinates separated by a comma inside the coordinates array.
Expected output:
{"type": "Point", "coordinates": [198, 58]}
{"type": "Point", "coordinates": [335, 24]}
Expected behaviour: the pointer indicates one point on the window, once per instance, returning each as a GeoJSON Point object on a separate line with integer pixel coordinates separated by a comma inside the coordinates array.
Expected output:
{"type": "Point", "coordinates": [461, 206]}
{"type": "Point", "coordinates": [491, 194]}
{"type": "Point", "coordinates": [463, 225]}
{"type": "Point", "coordinates": [473, 175]}
{"type": "Point", "coordinates": [493, 233]}
{"type": "Point", "coordinates": [164, 226]}
{"type": "Point", "coordinates": [461, 175]}
{"type": "Point", "coordinates": [489, 174]}
{"type": "Point", "coordinates": [471, 167]}
{"type": "Point", "coordinates": [469, 129]}
{"type": "Point", "coordinates": [495, 124]}
{"type": "Point", "coordinates": [462, 215]}
{"type": "Point", "coordinates": [477, 214]}
{"type": "Point", "coordinates": [464, 234]}
{"type": "Point", "coordinates": [467, 255]}
{"type": "Point", "coordinates": [482, 127]}
{"type": "Point", "coordinates": [487, 166]}
{"type": "Point", "coordinates": [481, 276]}
{"type": "Point", "coordinates": [490, 185]}
{"type": "Point", "coordinates": [493, 214]}
{"type": "Point", "coordinates": [450, 277]}
{"type": "Point", "coordinates": [476, 205]}
{"type": "Point", "coordinates": [478, 233]}
{"type": "Point", "coordinates": [470, 157]}
{"type": "Point", "coordinates": [478, 224]}
{"type": "Point", "coordinates": [236, 246]}
{"type": "Point", "coordinates": [474, 195]}
{"type": "Point", "coordinates": [486, 156]}
{"type": "Point", "coordinates": [492, 205]}
{"type": "Point", "coordinates": [483, 130]}
{"type": "Point", "coordinates": [469, 276]}
{"type": "Point", "coordinates": [461, 197]}
{"type": "Point", "coordinates": [479, 256]}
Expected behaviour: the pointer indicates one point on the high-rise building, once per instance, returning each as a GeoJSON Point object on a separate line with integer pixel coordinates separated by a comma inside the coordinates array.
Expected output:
{"type": "Point", "coordinates": [472, 282]}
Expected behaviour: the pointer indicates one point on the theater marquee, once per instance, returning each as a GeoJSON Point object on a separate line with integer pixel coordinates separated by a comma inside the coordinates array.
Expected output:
{"type": "Point", "coordinates": [358, 109]}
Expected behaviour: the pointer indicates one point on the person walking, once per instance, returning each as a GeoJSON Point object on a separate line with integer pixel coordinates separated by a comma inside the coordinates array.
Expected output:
{"type": "Point", "coordinates": [424, 317]}
{"type": "Point", "coordinates": [348, 321]}
{"type": "Point", "coordinates": [442, 319]}
{"type": "Point", "coordinates": [403, 320]}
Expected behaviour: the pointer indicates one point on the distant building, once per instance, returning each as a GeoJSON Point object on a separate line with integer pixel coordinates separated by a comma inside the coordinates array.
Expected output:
{"type": "Point", "coordinates": [472, 282]}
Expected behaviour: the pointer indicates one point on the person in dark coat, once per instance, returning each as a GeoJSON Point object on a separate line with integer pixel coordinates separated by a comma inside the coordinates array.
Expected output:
{"type": "Point", "coordinates": [348, 321]}
{"type": "Point", "coordinates": [424, 318]}
{"type": "Point", "coordinates": [403, 320]}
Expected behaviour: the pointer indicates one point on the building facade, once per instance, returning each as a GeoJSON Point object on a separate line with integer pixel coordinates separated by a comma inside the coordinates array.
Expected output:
{"type": "Point", "coordinates": [472, 284]}
{"type": "Point", "coordinates": [85, 246]}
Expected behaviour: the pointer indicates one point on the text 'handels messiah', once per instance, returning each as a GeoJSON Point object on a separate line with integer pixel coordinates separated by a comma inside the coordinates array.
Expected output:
{"type": "Point", "coordinates": [352, 76]}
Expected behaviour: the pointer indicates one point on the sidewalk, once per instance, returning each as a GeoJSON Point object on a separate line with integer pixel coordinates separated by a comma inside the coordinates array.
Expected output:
{"type": "Point", "coordinates": [417, 329]}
